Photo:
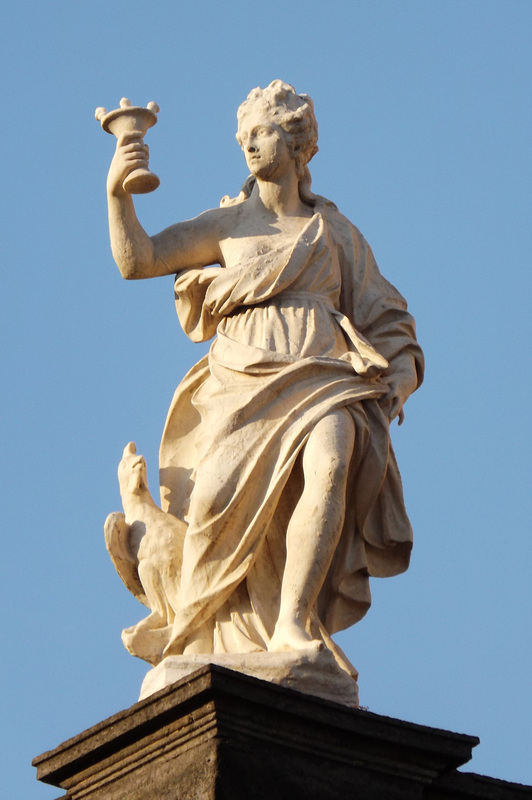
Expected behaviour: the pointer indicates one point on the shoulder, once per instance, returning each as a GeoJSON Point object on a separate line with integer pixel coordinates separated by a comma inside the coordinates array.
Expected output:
{"type": "Point", "coordinates": [221, 221]}
{"type": "Point", "coordinates": [344, 232]}
{"type": "Point", "coordinates": [336, 220]}
{"type": "Point", "coordinates": [215, 224]}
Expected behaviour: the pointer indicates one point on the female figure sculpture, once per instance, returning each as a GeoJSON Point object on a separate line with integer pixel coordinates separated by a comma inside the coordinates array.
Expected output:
{"type": "Point", "coordinates": [276, 455]}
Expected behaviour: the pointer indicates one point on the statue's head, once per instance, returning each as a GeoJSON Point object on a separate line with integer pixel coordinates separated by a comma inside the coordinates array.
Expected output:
{"type": "Point", "coordinates": [292, 113]}
{"type": "Point", "coordinates": [132, 472]}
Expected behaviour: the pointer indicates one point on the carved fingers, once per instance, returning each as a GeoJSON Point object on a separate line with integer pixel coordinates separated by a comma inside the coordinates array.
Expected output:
{"type": "Point", "coordinates": [399, 391]}
{"type": "Point", "coordinates": [133, 149]}
{"type": "Point", "coordinates": [401, 380]}
{"type": "Point", "coordinates": [131, 154]}
{"type": "Point", "coordinates": [392, 407]}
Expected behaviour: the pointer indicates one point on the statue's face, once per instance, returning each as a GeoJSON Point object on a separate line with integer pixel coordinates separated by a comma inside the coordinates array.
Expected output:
{"type": "Point", "coordinates": [132, 471]}
{"type": "Point", "coordinates": [265, 146]}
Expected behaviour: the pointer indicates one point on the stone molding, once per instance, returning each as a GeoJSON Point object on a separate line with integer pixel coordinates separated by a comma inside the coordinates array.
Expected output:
{"type": "Point", "coordinates": [220, 734]}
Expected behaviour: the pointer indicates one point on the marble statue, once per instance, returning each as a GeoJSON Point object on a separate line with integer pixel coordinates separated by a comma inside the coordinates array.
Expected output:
{"type": "Point", "coordinates": [280, 492]}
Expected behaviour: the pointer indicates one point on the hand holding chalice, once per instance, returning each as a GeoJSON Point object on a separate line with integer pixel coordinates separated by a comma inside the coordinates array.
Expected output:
{"type": "Point", "coordinates": [134, 121]}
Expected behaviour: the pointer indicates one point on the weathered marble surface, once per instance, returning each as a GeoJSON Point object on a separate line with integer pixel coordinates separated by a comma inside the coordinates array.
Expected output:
{"type": "Point", "coordinates": [280, 493]}
{"type": "Point", "coordinates": [313, 671]}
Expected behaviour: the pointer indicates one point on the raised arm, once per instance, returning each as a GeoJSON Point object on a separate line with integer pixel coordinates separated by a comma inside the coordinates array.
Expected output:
{"type": "Point", "coordinates": [194, 243]}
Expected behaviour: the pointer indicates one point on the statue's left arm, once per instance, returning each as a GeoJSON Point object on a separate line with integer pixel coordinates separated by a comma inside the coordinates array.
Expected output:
{"type": "Point", "coordinates": [379, 312]}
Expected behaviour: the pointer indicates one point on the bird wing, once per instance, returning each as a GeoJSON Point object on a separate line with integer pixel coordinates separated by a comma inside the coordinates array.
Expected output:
{"type": "Point", "coordinates": [116, 532]}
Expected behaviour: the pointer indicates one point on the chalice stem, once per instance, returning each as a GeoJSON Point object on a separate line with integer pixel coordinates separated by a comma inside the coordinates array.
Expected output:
{"type": "Point", "coordinates": [135, 120]}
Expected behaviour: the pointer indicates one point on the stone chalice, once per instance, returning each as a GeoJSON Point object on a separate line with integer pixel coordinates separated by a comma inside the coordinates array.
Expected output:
{"type": "Point", "coordinates": [132, 119]}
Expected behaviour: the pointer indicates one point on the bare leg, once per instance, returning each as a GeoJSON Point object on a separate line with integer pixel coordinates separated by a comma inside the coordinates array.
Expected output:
{"type": "Point", "coordinates": [315, 527]}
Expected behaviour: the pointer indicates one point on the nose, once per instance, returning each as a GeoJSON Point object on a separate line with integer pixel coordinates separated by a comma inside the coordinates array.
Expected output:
{"type": "Point", "coordinates": [251, 148]}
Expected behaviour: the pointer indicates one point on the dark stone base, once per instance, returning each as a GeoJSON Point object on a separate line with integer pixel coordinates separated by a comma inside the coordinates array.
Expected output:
{"type": "Point", "coordinates": [220, 735]}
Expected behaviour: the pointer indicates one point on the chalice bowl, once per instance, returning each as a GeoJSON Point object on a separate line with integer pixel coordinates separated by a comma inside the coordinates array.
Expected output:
{"type": "Point", "coordinates": [134, 120]}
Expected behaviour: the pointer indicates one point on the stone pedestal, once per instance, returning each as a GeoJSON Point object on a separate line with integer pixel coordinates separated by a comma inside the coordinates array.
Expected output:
{"type": "Point", "coordinates": [313, 670]}
{"type": "Point", "coordinates": [219, 734]}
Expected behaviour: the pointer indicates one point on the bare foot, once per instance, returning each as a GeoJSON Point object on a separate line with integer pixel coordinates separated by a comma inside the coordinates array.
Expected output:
{"type": "Point", "coordinates": [290, 636]}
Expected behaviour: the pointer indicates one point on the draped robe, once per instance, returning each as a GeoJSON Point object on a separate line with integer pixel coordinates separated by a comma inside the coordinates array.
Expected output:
{"type": "Point", "coordinates": [300, 331]}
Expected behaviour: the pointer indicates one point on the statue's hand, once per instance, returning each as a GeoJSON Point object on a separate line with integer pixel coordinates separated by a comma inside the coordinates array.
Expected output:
{"type": "Point", "coordinates": [131, 153]}
{"type": "Point", "coordinates": [401, 383]}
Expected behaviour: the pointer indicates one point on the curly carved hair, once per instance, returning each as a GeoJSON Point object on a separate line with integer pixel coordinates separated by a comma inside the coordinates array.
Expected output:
{"type": "Point", "coordinates": [294, 113]}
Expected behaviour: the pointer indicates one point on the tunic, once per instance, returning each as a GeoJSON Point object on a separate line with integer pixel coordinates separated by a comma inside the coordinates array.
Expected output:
{"type": "Point", "coordinates": [301, 331]}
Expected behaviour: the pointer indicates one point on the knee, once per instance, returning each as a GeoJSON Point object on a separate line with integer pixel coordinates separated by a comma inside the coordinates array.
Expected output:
{"type": "Point", "coordinates": [330, 447]}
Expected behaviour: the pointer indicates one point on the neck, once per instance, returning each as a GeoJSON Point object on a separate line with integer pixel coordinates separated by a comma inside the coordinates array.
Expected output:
{"type": "Point", "coordinates": [134, 496]}
{"type": "Point", "coordinates": [280, 196]}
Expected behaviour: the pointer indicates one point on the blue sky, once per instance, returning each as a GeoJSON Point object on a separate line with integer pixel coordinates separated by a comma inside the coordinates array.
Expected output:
{"type": "Point", "coordinates": [425, 118]}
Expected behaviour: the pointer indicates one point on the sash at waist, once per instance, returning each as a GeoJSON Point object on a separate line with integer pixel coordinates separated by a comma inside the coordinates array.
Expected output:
{"type": "Point", "coordinates": [362, 355]}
